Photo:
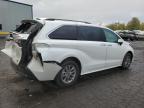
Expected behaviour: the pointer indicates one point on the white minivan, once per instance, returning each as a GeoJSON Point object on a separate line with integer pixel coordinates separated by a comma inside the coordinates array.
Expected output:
{"type": "Point", "coordinates": [62, 50]}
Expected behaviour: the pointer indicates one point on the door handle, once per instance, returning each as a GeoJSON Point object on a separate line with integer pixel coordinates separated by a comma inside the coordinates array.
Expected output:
{"type": "Point", "coordinates": [103, 44]}
{"type": "Point", "coordinates": [109, 45]}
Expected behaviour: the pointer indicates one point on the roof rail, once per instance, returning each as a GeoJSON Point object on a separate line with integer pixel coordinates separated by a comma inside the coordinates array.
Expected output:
{"type": "Point", "coordinates": [53, 19]}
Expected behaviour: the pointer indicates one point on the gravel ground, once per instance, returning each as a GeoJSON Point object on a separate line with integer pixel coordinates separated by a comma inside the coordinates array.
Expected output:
{"type": "Point", "coordinates": [112, 88]}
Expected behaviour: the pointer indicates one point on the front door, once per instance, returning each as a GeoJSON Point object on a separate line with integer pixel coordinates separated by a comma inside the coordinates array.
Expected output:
{"type": "Point", "coordinates": [115, 51]}
{"type": "Point", "coordinates": [94, 47]}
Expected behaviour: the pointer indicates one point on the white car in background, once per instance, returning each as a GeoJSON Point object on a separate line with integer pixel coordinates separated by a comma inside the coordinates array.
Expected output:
{"type": "Point", "coordinates": [62, 50]}
{"type": "Point", "coordinates": [139, 32]}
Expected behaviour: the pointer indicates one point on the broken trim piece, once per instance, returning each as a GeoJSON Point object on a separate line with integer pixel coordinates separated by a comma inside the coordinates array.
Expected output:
{"type": "Point", "coordinates": [52, 62]}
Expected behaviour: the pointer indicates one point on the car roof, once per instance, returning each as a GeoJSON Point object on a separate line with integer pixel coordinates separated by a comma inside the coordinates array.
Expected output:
{"type": "Point", "coordinates": [67, 22]}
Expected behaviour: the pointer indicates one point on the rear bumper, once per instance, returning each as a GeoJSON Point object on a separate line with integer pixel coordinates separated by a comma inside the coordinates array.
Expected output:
{"type": "Point", "coordinates": [36, 71]}
{"type": "Point", "coordinates": [23, 71]}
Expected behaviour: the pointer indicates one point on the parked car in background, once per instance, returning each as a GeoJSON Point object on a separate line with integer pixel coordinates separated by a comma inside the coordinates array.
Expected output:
{"type": "Point", "coordinates": [62, 50]}
{"type": "Point", "coordinates": [128, 35]}
{"type": "Point", "coordinates": [139, 32]}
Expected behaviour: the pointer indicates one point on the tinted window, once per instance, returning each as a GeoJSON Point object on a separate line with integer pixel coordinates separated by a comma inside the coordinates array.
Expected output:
{"type": "Point", "coordinates": [110, 36]}
{"type": "Point", "coordinates": [65, 32]}
{"type": "Point", "coordinates": [91, 33]}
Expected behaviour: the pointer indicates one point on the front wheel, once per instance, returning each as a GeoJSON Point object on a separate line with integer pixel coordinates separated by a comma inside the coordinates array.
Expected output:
{"type": "Point", "coordinates": [69, 73]}
{"type": "Point", "coordinates": [127, 61]}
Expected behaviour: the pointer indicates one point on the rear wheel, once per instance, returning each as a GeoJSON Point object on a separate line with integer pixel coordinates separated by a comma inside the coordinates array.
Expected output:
{"type": "Point", "coordinates": [69, 73]}
{"type": "Point", "coordinates": [127, 61]}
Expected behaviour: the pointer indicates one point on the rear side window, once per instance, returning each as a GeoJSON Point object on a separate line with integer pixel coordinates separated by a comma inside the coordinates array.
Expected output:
{"type": "Point", "coordinates": [91, 33]}
{"type": "Point", "coordinates": [111, 36]}
{"type": "Point", "coordinates": [67, 32]}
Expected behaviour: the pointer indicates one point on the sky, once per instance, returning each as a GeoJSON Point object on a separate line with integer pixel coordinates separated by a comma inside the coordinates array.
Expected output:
{"type": "Point", "coordinates": [95, 11]}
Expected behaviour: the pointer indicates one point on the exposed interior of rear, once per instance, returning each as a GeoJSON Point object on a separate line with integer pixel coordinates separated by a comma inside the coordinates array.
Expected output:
{"type": "Point", "coordinates": [27, 26]}
{"type": "Point", "coordinates": [30, 27]}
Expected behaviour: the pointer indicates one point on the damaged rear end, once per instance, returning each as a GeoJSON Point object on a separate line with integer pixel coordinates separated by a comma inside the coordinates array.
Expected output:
{"type": "Point", "coordinates": [25, 59]}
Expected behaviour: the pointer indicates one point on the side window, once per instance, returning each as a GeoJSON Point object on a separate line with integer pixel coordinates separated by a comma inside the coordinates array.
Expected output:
{"type": "Point", "coordinates": [67, 32]}
{"type": "Point", "coordinates": [110, 36]}
{"type": "Point", "coordinates": [91, 33]}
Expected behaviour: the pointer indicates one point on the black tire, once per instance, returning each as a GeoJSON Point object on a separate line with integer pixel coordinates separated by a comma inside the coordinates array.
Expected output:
{"type": "Point", "coordinates": [60, 81]}
{"type": "Point", "coordinates": [127, 61]}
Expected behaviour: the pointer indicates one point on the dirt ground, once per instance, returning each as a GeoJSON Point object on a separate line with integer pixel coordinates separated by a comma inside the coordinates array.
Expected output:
{"type": "Point", "coordinates": [112, 88]}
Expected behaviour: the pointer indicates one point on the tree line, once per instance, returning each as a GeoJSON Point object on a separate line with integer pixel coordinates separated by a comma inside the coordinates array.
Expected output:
{"type": "Point", "coordinates": [133, 24]}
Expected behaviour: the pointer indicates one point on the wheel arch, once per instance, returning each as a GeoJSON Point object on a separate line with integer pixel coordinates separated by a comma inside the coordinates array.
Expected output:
{"type": "Point", "coordinates": [74, 59]}
{"type": "Point", "coordinates": [71, 58]}
{"type": "Point", "coordinates": [127, 53]}
{"type": "Point", "coordinates": [130, 53]}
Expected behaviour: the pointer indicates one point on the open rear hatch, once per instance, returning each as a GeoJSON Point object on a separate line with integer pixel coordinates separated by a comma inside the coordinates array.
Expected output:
{"type": "Point", "coordinates": [19, 43]}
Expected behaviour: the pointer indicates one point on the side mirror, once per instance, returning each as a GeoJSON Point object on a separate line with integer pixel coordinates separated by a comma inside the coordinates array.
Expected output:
{"type": "Point", "coordinates": [120, 41]}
